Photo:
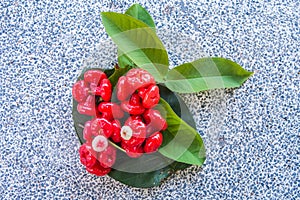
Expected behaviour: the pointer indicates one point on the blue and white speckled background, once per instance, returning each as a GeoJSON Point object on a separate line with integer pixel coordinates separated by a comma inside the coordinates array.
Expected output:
{"type": "Point", "coordinates": [255, 155]}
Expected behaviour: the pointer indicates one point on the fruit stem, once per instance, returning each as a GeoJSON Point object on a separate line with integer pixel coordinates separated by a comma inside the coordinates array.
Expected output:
{"type": "Point", "coordinates": [113, 144]}
{"type": "Point", "coordinates": [81, 126]}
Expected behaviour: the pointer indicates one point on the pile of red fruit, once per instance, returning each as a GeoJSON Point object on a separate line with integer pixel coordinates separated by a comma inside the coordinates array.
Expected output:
{"type": "Point", "coordinates": [130, 122]}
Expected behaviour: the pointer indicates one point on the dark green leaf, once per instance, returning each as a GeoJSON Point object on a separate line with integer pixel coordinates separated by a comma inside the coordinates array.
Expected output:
{"type": "Point", "coordinates": [148, 170]}
{"type": "Point", "coordinates": [141, 180]}
{"type": "Point", "coordinates": [144, 164]}
{"type": "Point", "coordinates": [124, 61]}
{"type": "Point", "coordinates": [181, 142]}
{"type": "Point", "coordinates": [138, 42]}
{"type": "Point", "coordinates": [126, 166]}
{"type": "Point", "coordinates": [177, 104]}
{"type": "Point", "coordinates": [205, 74]}
{"type": "Point", "coordinates": [140, 13]}
{"type": "Point", "coordinates": [117, 74]}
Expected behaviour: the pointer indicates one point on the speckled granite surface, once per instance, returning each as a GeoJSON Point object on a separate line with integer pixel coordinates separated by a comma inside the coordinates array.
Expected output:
{"type": "Point", "coordinates": [251, 133]}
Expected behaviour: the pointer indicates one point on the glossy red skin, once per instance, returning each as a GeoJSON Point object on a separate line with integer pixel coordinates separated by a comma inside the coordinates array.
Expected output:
{"type": "Point", "coordinates": [138, 78]}
{"type": "Point", "coordinates": [111, 110]}
{"type": "Point", "coordinates": [135, 99]}
{"type": "Point", "coordinates": [87, 132]}
{"type": "Point", "coordinates": [138, 132]}
{"type": "Point", "coordinates": [104, 90]}
{"type": "Point", "coordinates": [142, 92]}
{"type": "Point", "coordinates": [132, 109]}
{"type": "Point", "coordinates": [80, 91]}
{"type": "Point", "coordinates": [116, 136]}
{"type": "Point", "coordinates": [133, 151]}
{"type": "Point", "coordinates": [98, 170]}
{"type": "Point", "coordinates": [101, 126]}
{"type": "Point", "coordinates": [151, 97]}
{"type": "Point", "coordinates": [96, 90]}
{"type": "Point", "coordinates": [138, 117]}
{"type": "Point", "coordinates": [134, 79]}
{"type": "Point", "coordinates": [107, 157]}
{"type": "Point", "coordinates": [86, 156]}
{"type": "Point", "coordinates": [134, 105]}
{"type": "Point", "coordinates": [153, 142]}
{"type": "Point", "coordinates": [123, 89]}
{"type": "Point", "coordinates": [154, 121]}
{"type": "Point", "coordinates": [106, 116]}
{"type": "Point", "coordinates": [94, 76]}
{"type": "Point", "coordinates": [88, 107]}
{"type": "Point", "coordinates": [93, 87]}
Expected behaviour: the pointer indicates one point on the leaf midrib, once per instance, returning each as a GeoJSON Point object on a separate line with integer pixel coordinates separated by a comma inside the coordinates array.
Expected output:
{"type": "Point", "coordinates": [162, 76]}
{"type": "Point", "coordinates": [203, 77]}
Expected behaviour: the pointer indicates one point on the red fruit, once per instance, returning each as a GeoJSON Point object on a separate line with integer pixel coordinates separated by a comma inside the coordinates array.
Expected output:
{"type": "Point", "coordinates": [107, 157]}
{"type": "Point", "coordinates": [133, 151]}
{"type": "Point", "coordinates": [101, 126]}
{"type": "Point", "coordinates": [94, 76]}
{"type": "Point", "coordinates": [116, 136]}
{"type": "Point", "coordinates": [99, 143]}
{"type": "Point", "coordinates": [106, 116]}
{"type": "Point", "coordinates": [133, 106]}
{"type": "Point", "coordinates": [123, 89]}
{"type": "Point", "coordinates": [87, 132]}
{"type": "Point", "coordinates": [80, 91]}
{"type": "Point", "coordinates": [98, 170]}
{"type": "Point", "coordinates": [111, 110]}
{"type": "Point", "coordinates": [138, 78]}
{"type": "Point", "coordinates": [93, 87]}
{"type": "Point", "coordinates": [151, 96]}
{"type": "Point", "coordinates": [135, 99]}
{"type": "Point", "coordinates": [96, 90]}
{"type": "Point", "coordinates": [153, 142]}
{"type": "Point", "coordinates": [86, 156]}
{"type": "Point", "coordinates": [142, 92]}
{"type": "Point", "coordinates": [88, 107]}
{"type": "Point", "coordinates": [104, 90]}
{"type": "Point", "coordinates": [134, 79]}
{"type": "Point", "coordinates": [133, 132]}
{"type": "Point", "coordinates": [133, 110]}
{"type": "Point", "coordinates": [155, 122]}
{"type": "Point", "coordinates": [138, 117]}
